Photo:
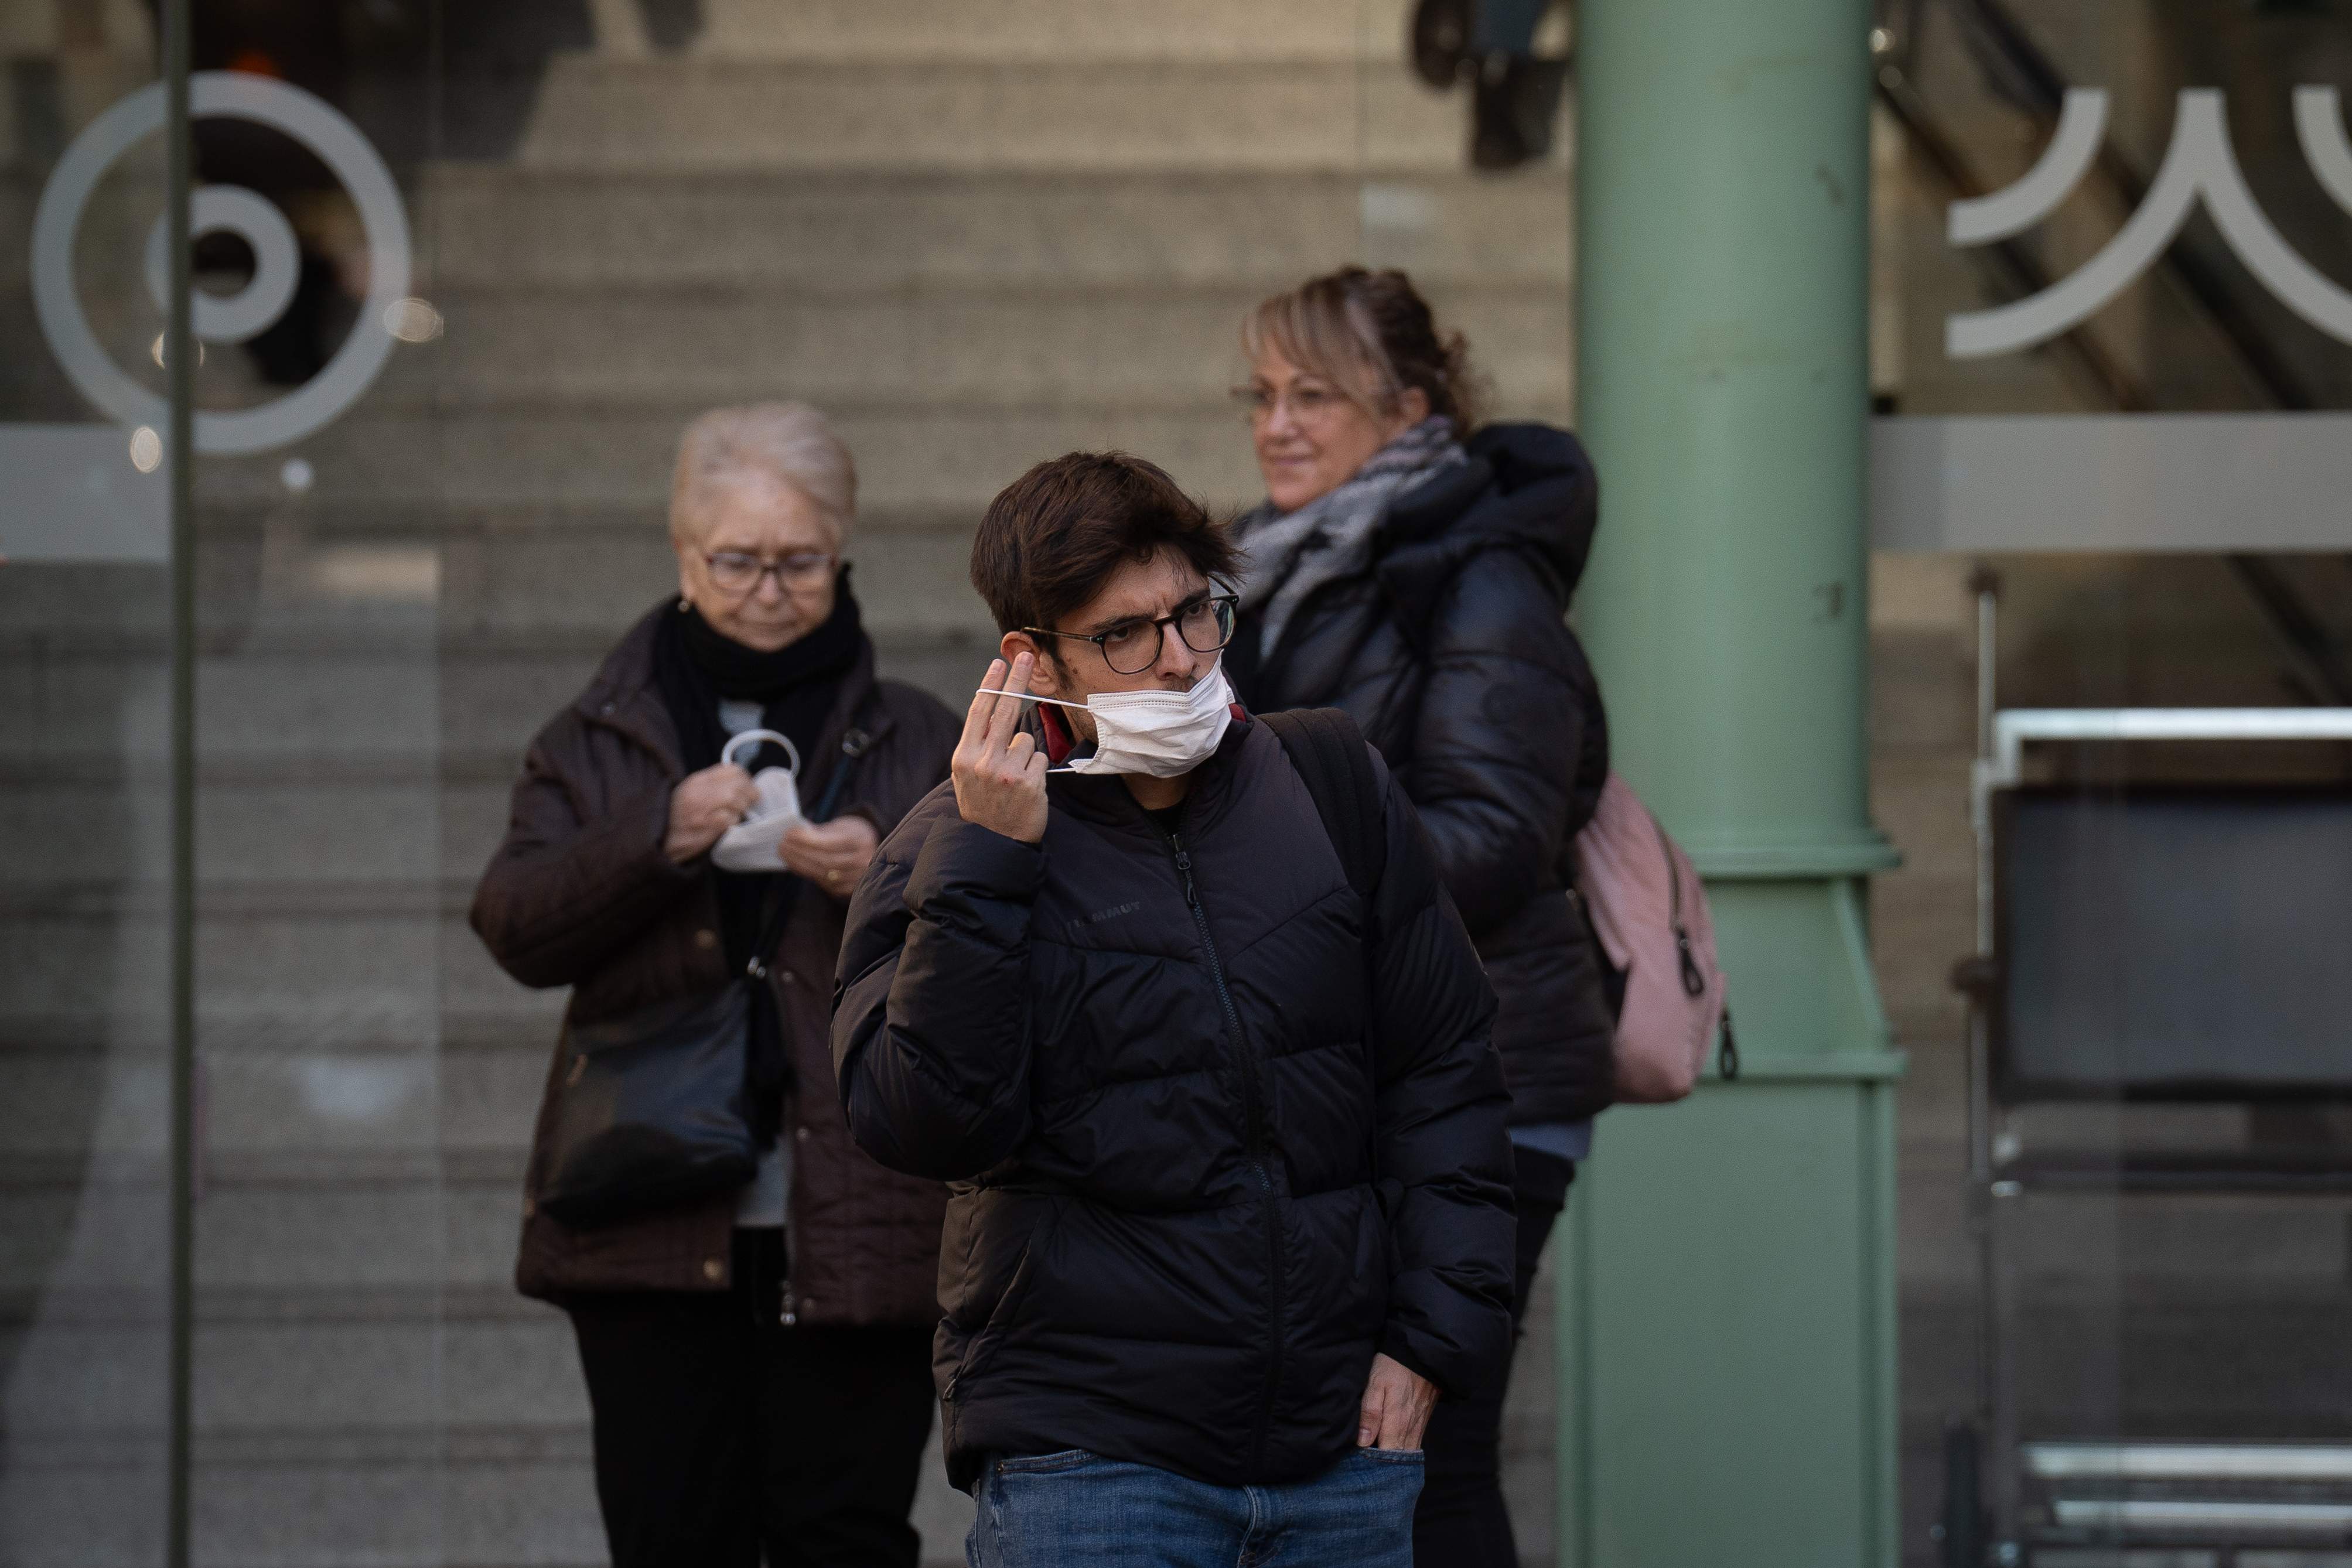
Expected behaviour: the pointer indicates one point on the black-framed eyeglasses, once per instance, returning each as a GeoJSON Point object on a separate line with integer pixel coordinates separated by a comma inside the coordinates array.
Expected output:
{"type": "Point", "coordinates": [1132, 647]}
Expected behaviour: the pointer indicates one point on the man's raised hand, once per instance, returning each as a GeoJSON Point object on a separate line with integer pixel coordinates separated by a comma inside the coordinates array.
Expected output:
{"type": "Point", "coordinates": [999, 773]}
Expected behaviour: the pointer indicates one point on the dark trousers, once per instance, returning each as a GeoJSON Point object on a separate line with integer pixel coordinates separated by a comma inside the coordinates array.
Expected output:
{"type": "Point", "coordinates": [1461, 1521]}
{"type": "Point", "coordinates": [724, 1439]}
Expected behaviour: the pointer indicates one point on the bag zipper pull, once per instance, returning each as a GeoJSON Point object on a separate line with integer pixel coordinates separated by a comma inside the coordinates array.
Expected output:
{"type": "Point", "coordinates": [1693, 983]}
{"type": "Point", "coordinates": [1726, 1054]}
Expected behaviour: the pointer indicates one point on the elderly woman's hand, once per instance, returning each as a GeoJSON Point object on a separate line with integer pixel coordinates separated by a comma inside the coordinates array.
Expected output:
{"type": "Point", "coordinates": [833, 854]}
{"type": "Point", "coordinates": [704, 806]}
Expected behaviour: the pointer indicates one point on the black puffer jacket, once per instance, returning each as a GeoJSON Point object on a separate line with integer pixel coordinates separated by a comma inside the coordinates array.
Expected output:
{"type": "Point", "coordinates": [1452, 653]}
{"type": "Point", "coordinates": [1197, 1182]}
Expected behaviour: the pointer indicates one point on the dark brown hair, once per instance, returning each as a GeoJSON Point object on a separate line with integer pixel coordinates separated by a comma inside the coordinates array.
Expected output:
{"type": "Point", "coordinates": [1054, 536]}
{"type": "Point", "coordinates": [1374, 337]}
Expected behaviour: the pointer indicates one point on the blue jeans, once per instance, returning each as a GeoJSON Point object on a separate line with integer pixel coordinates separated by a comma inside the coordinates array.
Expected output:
{"type": "Point", "coordinates": [1072, 1510]}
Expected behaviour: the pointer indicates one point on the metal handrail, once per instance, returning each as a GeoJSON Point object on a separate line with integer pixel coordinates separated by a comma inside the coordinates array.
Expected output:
{"type": "Point", "coordinates": [2012, 729]}
{"type": "Point", "coordinates": [2190, 1461]}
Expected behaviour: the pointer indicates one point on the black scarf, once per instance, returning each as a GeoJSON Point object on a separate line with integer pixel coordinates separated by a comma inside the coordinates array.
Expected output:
{"type": "Point", "coordinates": [697, 668]}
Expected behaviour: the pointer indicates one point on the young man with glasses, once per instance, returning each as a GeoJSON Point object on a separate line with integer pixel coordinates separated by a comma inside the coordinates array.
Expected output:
{"type": "Point", "coordinates": [1231, 1203]}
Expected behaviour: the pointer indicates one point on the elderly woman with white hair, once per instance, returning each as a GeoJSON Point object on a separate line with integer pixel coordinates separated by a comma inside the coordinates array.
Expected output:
{"type": "Point", "coordinates": [752, 1296]}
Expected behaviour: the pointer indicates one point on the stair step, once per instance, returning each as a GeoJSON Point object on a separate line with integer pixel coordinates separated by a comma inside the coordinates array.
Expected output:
{"type": "Point", "coordinates": [1033, 348]}
{"type": "Point", "coordinates": [513, 1498]}
{"type": "Point", "coordinates": [438, 1509]}
{"type": "Point", "coordinates": [286, 971]}
{"type": "Point", "coordinates": [281, 1116]}
{"type": "Point", "coordinates": [362, 975]}
{"type": "Point", "coordinates": [556, 456]}
{"type": "Point", "coordinates": [1070, 30]}
{"type": "Point", "coordinates": [1127, 115]}
{"type": "Point", "coordinates": [879, 231]}
{"type": "Point", "coordinates": [93, 717]}
{"type": "Point", "coordinates": [326, 844]}
{"type": "Point", "coordinates": [323, 1376]}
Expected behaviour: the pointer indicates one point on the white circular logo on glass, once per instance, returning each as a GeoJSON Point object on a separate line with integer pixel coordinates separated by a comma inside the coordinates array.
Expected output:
{"type": "Point", "coordinates": [276, 261]}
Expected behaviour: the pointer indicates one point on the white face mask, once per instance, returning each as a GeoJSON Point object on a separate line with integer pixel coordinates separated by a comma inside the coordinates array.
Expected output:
{"type": "Point", "coordinates": [751, 844]}
{"type": "Point", "coordinates": [1160, 733]}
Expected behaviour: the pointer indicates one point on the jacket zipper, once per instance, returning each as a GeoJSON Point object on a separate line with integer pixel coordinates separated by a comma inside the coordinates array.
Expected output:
{"type": "Point", "coordinates": [1254, 1109]}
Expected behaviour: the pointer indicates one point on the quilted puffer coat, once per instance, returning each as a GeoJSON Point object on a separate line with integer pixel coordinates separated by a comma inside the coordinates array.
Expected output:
{"type": "Point", "coordinates": [1210, 1147]}
{"type": "Point", "coordinates": [1451, 652]}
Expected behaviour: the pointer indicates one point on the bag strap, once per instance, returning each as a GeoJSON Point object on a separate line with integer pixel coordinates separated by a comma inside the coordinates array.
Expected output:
{"type": "Point", "coordinates": [854, 743]}
{"type": "Point", "coordinates": [1335, 763]}
{"type": "Point", "coordinates": [1331, 757]}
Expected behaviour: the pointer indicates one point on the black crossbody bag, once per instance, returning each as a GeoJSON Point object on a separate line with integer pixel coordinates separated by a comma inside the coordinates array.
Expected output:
{"type": "Point", "coordinates": [654, 1109]}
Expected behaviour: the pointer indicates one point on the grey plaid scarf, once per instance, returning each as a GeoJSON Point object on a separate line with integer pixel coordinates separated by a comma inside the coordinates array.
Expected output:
{"type": "Point", "coordinates": [1289, 555]}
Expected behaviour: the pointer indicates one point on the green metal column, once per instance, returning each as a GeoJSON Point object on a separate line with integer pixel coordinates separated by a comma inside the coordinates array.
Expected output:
{"type": "Point", "coordinates": [1727, 1307]}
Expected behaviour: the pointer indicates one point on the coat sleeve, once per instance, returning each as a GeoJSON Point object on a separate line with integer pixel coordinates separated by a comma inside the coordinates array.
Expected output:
{"type": "Point", "coordinates": [1498, 737]}
{"type": "Point", "coordinates": [930, 1025]}
{"type": "Point", "coordinates": [1444, 1160]}
{"type": "Point", "coordinates": [562, 893]}
{"type": "Point", "coordinates": [922, 741]}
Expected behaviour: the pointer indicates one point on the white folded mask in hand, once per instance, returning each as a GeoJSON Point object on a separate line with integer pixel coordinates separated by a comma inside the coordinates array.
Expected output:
{"type": "Point", "coordinates": [751, 844]}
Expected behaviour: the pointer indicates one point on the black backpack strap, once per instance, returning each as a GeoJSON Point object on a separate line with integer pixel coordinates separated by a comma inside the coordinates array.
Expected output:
{"type": "Point", "coordinates": [1332, 757]}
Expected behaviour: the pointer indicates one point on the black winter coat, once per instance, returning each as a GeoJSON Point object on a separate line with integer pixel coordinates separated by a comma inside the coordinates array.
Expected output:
{"type": "Point", "coordinates": [1451, 652]}
{"type": "Point", "coordinates": [1209, 1151]}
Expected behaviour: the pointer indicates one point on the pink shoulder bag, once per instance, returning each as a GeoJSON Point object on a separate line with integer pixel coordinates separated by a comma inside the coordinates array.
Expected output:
{"type": "Point", "coordinates": [1650, 912]}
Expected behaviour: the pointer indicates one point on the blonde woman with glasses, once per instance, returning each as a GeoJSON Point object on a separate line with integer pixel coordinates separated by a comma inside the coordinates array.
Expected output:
{"type": "Point", "coordinates": [1413, 566]}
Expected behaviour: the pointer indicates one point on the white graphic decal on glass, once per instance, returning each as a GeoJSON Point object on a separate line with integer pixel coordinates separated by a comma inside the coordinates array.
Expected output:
{"type": "Point", "coordinates": [2199, 165]}
{"type": "Point", "coordinates": [387, 312]}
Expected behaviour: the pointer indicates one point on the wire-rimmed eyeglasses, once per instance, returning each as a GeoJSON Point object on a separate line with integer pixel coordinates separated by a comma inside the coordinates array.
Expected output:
{"type": "Point", "coordinates": [1310, 402]}
{"type": "Point", "coordinates": [738, 572]}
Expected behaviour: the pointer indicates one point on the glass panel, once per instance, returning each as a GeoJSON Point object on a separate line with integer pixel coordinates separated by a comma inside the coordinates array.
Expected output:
{"type": "Point", "coordinates": [2159, 1268]}
{"type": "Point", "coordinates": [85, 794]}
{"type": "Point", "coordinates": [326, 1365]}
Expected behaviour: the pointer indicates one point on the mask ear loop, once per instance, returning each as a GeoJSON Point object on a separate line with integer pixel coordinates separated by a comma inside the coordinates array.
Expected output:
{"type": "Point", "coordinates": [1214, 669]}
{"type": "Point", "coordinates": [767, 737]}
{"type": "Point", "coordinates": [1034, 697]}
{"type": "Point", "coordinates": [1027, 697]}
